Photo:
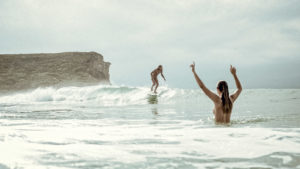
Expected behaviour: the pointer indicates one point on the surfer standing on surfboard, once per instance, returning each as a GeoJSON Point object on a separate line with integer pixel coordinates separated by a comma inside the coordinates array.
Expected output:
{"type": "Point", "coordinates": [154, 74]}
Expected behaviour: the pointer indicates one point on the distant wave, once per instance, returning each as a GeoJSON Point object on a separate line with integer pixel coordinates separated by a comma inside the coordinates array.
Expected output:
{"type": "Point", "coordinates": [102, 95]}
{"type": "Point", "coordinates": [106, 95]}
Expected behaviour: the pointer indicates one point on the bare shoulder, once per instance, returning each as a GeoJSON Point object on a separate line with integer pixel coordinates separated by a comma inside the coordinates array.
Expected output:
{"type": "Point", "coordinates": [218, 102]}
{"type": "Point", "coordinates": [232, 98]}
{"type": "Point", "coordinates": [235, 95]}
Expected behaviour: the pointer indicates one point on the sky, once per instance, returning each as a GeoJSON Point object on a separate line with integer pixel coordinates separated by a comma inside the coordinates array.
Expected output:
{"type": "Point", "coordinates": [260, 38]}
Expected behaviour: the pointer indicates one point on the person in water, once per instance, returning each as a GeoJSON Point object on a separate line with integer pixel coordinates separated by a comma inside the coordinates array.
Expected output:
{"type": "Point", "coordinates": [154, 74]}
{"type": "Point", "coordinates": [222, 101]}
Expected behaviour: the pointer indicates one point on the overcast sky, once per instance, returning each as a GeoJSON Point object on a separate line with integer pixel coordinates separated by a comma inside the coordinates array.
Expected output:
{"type": "Point", "coordinates": [260, 38]}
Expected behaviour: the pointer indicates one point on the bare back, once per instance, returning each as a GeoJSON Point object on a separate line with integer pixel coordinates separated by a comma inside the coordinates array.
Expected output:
{"type": "Point", "coordinates": [155, 73]}
{"type": "Point", "coordinates": [220, 115]}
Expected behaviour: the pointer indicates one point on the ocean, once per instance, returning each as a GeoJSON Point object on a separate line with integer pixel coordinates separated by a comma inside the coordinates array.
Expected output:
{"type": "Point", "coordinates": [123, 127]}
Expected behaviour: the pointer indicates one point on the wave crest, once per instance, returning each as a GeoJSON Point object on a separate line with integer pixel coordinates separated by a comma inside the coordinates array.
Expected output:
{"type": "Point", "coordinates": [100, 95]}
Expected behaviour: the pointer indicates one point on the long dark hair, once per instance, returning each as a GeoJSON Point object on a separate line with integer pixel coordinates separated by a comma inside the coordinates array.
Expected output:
{"type": "Point", "coordinates": [227, 105]}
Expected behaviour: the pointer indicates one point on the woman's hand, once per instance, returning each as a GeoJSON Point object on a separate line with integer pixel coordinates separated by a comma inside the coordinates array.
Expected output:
{"type": "Point", "coordinates": [232, 70]}
{"type": "Point", "coordinates": [193, 67]}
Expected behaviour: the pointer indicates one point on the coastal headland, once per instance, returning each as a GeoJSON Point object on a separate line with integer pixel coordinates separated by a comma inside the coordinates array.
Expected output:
{"type": "Point", "coordinates": [29, 71]}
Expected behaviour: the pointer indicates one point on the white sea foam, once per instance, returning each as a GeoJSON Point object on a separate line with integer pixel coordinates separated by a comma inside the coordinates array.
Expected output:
{"type": "Point", "coordinates": [133, 144]}
{"type": "Point", "coordinates": [117, 127]}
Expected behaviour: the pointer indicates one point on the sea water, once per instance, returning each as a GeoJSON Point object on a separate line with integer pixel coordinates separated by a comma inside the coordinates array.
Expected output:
{"type": "Point", "coordinates": [121, 127]}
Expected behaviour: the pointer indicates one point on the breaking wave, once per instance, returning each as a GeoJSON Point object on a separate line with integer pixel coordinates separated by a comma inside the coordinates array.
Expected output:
{"type": "Point", "coordinates": [103, 95]}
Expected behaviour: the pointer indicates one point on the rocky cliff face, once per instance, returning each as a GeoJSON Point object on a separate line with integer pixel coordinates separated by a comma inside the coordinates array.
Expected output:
{"type": "Point", "coordinates": [28, 71]}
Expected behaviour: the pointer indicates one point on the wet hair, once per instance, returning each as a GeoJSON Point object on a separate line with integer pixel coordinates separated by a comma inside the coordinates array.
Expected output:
{"type": "Point", "coordinates": [227, 105]}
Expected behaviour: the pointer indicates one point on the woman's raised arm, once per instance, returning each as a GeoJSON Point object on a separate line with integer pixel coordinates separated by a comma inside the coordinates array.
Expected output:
{"type": "Point", "coordinates": [236, 94]}
{"type": "Point", "coordinates": [215, 98]}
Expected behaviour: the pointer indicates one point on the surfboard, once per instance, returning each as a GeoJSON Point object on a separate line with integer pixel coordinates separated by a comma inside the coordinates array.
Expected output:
{"type": "Point", "coordinates": [152, 98]}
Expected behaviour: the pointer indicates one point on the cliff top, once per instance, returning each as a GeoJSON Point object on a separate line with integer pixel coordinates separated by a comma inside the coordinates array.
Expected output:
{"type": "Point", "coordinates": [25, 55]}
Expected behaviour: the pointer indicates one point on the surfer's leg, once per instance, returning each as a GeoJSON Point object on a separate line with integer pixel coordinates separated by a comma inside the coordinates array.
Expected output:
{"type": "Point", "coordinates": [153, 83]}
{"type": "Point", "coordinates": [156, 81]}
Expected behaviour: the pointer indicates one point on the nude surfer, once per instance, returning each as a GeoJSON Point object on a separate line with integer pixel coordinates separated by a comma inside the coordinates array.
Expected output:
{"type": "Point", "coordinates": [154, 74]}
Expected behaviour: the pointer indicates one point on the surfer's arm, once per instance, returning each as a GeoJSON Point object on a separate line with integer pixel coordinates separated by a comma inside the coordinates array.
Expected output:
{"type": "Point", "coordinates": [236, 94]}
{"type": "Point", "coordinates": [208, 93]}
{"type": "Point", "coordinates": [162, 75]}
